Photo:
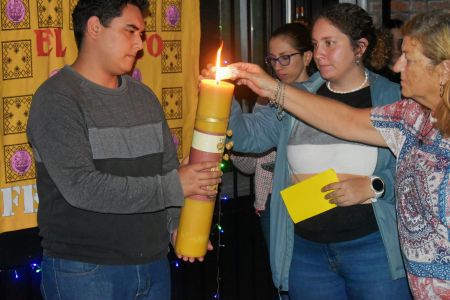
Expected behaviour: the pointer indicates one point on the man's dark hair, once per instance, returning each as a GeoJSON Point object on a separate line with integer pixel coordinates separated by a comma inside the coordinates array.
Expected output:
{"type": "Point", "coordinates": [105, 10]}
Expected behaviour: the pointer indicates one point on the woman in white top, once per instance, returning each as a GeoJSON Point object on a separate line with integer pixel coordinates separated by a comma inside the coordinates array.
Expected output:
{"type": "Point", "coordinates": [352, 251]}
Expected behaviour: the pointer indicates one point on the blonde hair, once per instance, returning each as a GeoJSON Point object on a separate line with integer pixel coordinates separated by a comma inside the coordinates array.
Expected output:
{"type": "Point", "coordinates": [432, 31]}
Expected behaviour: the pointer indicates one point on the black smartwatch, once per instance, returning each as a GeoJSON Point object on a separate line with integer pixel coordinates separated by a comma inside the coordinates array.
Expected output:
{"type": "Point", "coordinates": [377, 186]}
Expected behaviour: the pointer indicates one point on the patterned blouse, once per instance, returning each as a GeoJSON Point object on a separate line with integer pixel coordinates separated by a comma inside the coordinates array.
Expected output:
{"type": "Point", "coordinates": [263, 178]}
{"type": "Point", "coordinates": [423, 194]}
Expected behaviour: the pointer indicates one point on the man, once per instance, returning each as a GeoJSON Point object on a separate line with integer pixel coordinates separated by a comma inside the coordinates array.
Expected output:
{"type": "Point", "coordinates": [108, 178]}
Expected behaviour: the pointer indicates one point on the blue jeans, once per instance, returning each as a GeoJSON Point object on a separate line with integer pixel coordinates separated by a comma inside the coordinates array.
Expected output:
{"type": "Point", "coordinates": [74, 280]}
{"type": "Point", "coordinates": [356, 269]}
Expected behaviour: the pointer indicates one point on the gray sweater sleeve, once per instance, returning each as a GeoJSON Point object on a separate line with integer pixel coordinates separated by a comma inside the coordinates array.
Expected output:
{"type": "Point", "coordinates": [59, 137]}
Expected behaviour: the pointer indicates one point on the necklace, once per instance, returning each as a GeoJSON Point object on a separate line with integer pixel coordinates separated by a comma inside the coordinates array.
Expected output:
{"type": "Point", "coordinates": [366, 75]}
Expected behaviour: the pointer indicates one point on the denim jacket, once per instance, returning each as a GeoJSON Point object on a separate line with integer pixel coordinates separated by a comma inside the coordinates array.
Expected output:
{"type": "Point", "coordinates": [261, 130]}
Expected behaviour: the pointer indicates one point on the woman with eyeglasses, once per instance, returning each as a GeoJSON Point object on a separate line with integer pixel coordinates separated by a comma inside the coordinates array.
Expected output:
{"type": "Point", "coordinates": [351, 251]}
{"type": "Point", "coordinates": [290, 55]}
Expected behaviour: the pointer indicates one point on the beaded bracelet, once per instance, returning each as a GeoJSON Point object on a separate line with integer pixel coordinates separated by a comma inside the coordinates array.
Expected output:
{"type": "Point", "coordinates": [274, 98]}
{"type": "Point", "coordinates": [280, 100]}
{"type": "Point", "coordinates": [277, 99]}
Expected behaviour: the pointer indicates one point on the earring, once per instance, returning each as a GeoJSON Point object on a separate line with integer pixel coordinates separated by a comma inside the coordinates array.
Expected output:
{"type": "Point", "coordinates": [357, 60]}
{"type": "Point", "coordinates": [441, 90]}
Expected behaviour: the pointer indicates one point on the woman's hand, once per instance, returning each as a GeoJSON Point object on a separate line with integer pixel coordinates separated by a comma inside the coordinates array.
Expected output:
{"type": "Point", "coordinates": [352, 191]}
{"type": "Point", "coordinates": [255, 78]}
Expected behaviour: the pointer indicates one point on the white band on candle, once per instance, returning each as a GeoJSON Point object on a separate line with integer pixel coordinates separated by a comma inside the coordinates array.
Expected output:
{"type": "Point", "coordinates": [208, 142]}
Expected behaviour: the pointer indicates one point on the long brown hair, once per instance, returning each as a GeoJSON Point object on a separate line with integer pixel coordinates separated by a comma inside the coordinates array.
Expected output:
{"type": "Point", "coordinates": [356, 23]}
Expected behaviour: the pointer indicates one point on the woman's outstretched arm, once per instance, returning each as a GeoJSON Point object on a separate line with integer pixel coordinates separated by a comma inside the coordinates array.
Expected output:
{"type": "Point", "coordinates": [323, 113]}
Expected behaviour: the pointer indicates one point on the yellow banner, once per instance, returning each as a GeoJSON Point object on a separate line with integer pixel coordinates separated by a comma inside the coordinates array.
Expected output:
{"type": "Point", "coordinates": [37, 40]}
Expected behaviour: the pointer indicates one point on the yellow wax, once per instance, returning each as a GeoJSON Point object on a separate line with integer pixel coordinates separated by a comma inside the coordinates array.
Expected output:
{"type": "Point", "coordinates": [213, 112]}
{"type": "Point", "coordinates": [195, 223]}
{"type": "Point", "coordinates": [214, 104]}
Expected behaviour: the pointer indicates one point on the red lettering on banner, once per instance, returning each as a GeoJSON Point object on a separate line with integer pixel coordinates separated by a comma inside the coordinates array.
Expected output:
{"type": "Point", "coordinates": [43, 41]}
{"type": "Point", "coordinates": [59, 51]}
{"type": "Point", "coordinates": [43, 37]}
{"type": "Point", "coordinates": [152, 41]}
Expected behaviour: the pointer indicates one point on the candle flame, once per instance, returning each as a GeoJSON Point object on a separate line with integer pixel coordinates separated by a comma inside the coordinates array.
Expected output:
{"type": "Point", "coordinates": [218, 63]}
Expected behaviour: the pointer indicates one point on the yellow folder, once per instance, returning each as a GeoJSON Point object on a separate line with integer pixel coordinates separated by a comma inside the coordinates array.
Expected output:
{"type": "Point", "coordinates": [304, 200]}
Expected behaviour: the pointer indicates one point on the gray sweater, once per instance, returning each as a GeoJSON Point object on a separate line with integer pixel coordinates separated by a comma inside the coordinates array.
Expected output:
{"type": "Point", "coordinates": [107, 181]}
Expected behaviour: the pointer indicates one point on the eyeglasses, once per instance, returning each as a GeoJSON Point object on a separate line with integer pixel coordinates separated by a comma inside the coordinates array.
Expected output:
{"type": "Point", "coordinates": [283, 60]}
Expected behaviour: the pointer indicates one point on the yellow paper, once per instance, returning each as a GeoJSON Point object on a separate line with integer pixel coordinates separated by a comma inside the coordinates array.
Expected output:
{"type": "Point", "coordinates": [305, 200]}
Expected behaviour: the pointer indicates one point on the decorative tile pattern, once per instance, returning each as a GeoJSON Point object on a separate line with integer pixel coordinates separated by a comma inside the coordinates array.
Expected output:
{"type": "Point", "coordinates": [177, 136]}
{"type": "Point", "coordinates": [150, 20]}
{"type": "Point", "coordinates": [171, 15]}
{"type": "Point", "coordinates": [15, 14]}
{"type": "Point", "coordinates": [19, 163]}
{"type": "Point", "coordinates": [72, 4]}
{"type": "Point", "coordinates": [171, 58]}
{"type": "Point", "coordinates": [15, 114]}
{"type": "Point", "coordinates": [17, 59]}
{"type": "Point", "coordinates": [172, 100]}
{"type": "Point", "coordinates": [50, 13]}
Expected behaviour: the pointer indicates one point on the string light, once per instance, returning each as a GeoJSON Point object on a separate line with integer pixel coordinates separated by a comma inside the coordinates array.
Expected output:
{"type": "Point", "coordinates": [225, 165]}
{"type": "Point", "coordinates": [16, 273]}
{"type": "Point", "coordinates": [36, 267]}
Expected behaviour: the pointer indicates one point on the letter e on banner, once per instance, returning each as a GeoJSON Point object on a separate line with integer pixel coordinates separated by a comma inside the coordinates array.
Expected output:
{"type": "Point", "coordinates": [43, 41]}
{"type": "Point", "coordinates": [43, 37]}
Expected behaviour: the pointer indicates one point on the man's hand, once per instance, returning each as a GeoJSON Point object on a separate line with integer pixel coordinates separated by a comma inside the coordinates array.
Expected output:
{"type": "Point", "coordinates": [173, 239]}
{"type": "Point", "coordinates": [199, 178]}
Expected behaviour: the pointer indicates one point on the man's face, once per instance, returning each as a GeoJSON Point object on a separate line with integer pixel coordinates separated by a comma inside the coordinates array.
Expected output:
{"type": "Point", "coordinates": [121, 40]}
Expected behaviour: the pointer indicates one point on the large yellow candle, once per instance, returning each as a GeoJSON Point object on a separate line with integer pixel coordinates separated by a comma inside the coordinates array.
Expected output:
{"type": "Point", "coordinates": [208, 143]}
{"type": "Point", "coordinates": [213, 108]}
